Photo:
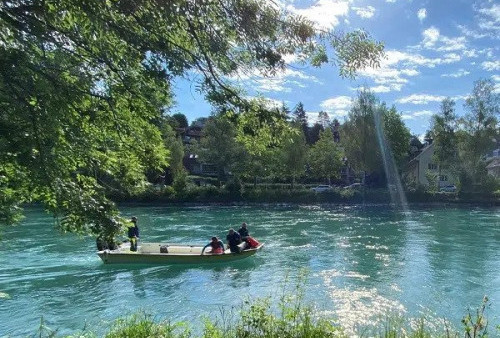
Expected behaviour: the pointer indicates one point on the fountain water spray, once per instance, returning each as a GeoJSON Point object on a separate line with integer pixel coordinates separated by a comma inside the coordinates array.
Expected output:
{"type": "Point", "coordinates": [398, 197]}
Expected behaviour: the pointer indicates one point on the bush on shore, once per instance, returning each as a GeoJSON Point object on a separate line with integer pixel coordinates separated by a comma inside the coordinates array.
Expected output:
{"type": "Point", "coordinates": [290, 317]}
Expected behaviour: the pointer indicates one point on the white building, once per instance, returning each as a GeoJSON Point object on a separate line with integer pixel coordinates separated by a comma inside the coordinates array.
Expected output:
{"type": "Point", "coordinates": [493, 166]}
{"type": "Point", "coordinates": [422, 166]}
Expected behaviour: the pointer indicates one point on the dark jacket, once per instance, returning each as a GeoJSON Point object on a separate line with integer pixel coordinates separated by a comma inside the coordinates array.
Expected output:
{"type": "Point", "coordinates": [133, 231]}
{"type": "Point", "coordinates": [234, 239]}
{"type": "Point", "coordinates": [243, 232]}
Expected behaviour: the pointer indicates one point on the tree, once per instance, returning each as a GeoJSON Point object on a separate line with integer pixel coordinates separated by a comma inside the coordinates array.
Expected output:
{"type": "Point", "coordinates": [313, 133]}
{"type": "Point", "coordinates": [175, 147]}
{"type": "Point", "coordinates": [83, 84]}
{"type": "Point", "coordinates": [299, 114]}
{"type": "Point", "coordinates": [293, 155]}
{"type": "Point", "coordinates": [480, 133]}
{"type": "Point", "coordinates": [324, 119]}
{"type": "Point", "coordinates": [325, 157]}
{"type": "Point", "coordinates": [362, 140]}
{"type": "Point", "coordinates": [443, 128]}
{"type": "Point", "coordinates": [218, 145]}
{"type": "Point", "coordinates": [180, 120]}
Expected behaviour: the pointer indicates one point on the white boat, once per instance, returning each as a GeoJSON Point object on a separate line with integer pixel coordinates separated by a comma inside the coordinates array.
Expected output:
{"type": "Point", "coordinates": [154, 253]}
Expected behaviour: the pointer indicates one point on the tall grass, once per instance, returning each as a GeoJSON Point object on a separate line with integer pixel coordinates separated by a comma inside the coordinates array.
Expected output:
{"type": "Point", "coordinates": [288, 317]}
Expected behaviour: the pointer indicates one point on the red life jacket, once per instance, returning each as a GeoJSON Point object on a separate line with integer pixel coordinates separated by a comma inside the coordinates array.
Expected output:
{"type": "Point", "coordinates": [217, 248]}
{"type": "Point", "coordinates": [252, 242]}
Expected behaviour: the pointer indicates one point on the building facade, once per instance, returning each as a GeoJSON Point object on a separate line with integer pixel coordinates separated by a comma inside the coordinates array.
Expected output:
{"type": "Point", "coordinates": [423, 167]}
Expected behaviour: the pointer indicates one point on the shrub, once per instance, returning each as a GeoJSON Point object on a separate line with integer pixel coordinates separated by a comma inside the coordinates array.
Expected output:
{"type": "Point", "coordinates": [143, 326]}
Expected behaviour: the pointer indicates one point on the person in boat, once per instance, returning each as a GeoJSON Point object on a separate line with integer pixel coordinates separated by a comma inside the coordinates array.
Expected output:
{"type": "Point", "coordinates": [217, 246]}
{"type": "Point", "coordinates": [233, 239]}
{"type": "Point", "coordinates": [243, 231]}
{"type": "Point", "coordinates": [245, 236]}
{"type": "Point", "coordinates": [133, 234]}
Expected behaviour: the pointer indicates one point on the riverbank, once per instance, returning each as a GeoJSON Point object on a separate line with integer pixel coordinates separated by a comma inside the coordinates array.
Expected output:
{"type": "Point", "coordinates": [287, 318]}
{"type": "Point", "coordinates": [212, 194]}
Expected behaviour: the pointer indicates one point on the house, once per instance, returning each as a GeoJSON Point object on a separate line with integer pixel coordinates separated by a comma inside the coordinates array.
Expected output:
{"type": "Point", "coordinates": [422, 166]}
{"type": "Point", "coordinates": [191, 161]}
{"type": "Point", "coordinates": [493, 160]}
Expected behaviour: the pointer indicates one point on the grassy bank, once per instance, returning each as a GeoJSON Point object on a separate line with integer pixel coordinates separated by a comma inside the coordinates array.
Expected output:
{"type": "Point", "coordinates": [286, 318]}
{"type": "Point", "coordinates": [277, 194]}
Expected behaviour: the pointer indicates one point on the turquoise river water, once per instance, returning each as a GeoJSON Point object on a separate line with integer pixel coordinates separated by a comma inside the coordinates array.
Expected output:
{"type": "Point", "coordinates": [363, 263]}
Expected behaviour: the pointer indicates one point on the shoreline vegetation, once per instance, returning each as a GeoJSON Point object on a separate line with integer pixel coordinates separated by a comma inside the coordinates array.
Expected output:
{"type": "Point", "coordinates": [290, 316]}
{"type": "Point", "coordinates": [281, 193]}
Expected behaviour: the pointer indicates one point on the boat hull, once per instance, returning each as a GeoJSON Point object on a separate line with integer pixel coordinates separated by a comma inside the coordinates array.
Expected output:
{"type": "Point", "coordinates": [176, 255]}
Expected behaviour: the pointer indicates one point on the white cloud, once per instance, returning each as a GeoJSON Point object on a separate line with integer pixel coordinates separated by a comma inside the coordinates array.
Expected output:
{"type": "Point", "coordinates": [422, 14]}
{"type": "Point", "coordinates": [421, 99]}
{"type": "Point", "coordinates": [471, 53]}
{"type": "Point", "coordinates": [324, 13]}
{"type": "Point", "coordinates": [491, 65]}
{"type": "Point", "coordinates": [413, 59]}
{"type": "Point", "coordinates": [386, 89]}
{"type": "Point", "coordinates": [398, 66]}
{"type": "Point", "coordinates": [490, 18]}
{"type": "Point", "coordinates": [488, 22]}
{"type": "Point", "coordinates": [281, 82]}
{"type": "Point", "coordinates": [423, 113]}
{"type": "Point", "coordinates": [432, 39]}
{"type": "Point", "coordinates": [336, 103]}
{"type": "Point", "coordinates": [414, 115]}
{"type": "Point", "coordinates": [364, 12]}
{"type": "Point", "coordinates": [425, 99]}
{"type": "Point", "coordinates": [431, 36]}
{"type": "Point", "coordinates": [459, 73]}
{"type": "Point", "coordinates": [339, 102]}
{"type": "Point", "coordinates": [471, 32]}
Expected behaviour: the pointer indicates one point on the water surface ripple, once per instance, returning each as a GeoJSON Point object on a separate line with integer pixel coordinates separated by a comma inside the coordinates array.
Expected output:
{"type": "Point", "coordinates": [363, 262]}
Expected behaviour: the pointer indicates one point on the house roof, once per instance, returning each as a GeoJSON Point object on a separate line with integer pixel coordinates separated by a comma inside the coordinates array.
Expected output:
{"type": "Point", "coordinates": [425, 150]}
{"type": "Point", "coordinates": [494, 164]}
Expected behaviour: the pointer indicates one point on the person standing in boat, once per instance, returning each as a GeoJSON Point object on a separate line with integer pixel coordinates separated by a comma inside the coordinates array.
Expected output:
{"type": "Point", "coordinates": [233, 239]}
{"type": "Point", "coordinates": [133, 234]}
{"type": "Point", "coordinates": [217, 246]}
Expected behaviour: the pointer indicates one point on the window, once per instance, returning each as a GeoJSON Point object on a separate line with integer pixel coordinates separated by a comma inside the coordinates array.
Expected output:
{"type": "Point", "coordinates": [432, 166]}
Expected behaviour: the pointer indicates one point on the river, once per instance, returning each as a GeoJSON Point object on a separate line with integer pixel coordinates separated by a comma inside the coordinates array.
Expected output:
{"type": "Point", "coordinates": [362, 262]}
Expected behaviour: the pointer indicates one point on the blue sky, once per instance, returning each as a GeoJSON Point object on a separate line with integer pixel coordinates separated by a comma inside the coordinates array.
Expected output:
{"type": "Point", "coordinates": [434, 49]}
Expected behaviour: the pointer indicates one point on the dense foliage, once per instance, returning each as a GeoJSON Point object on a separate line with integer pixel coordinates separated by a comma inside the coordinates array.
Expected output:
{"type": "Point", "coordinates": [361, 139]}
{"type": "Point", "coordinates": [462, 144]}
{"type": "Point", "coordinates": [84, 86]}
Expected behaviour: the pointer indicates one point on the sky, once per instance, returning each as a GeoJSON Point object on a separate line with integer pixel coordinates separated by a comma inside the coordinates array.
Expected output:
{"type": "Point", "coordinates": [434, 49]}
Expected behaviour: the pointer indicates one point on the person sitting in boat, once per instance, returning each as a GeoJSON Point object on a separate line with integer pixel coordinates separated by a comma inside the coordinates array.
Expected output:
{"type": "Point", "coordinates": [243, 231]}
{"type": "Point", "coordinates": [233, 239]}
{"type": "Point", "coordinates": [133, 234]}
{"type": "Point", "coordinates": [217, 246]}
{"type": "Point", "coordinates": [245, 236]}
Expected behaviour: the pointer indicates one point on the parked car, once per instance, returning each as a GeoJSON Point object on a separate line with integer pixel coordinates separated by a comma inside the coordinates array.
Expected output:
{"type": "Point", "coordinates": [353, 186]}
{"type": "Point", "coordinates": [448, 188]}
{"type": "Point", "coordinates": [322, 188]}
